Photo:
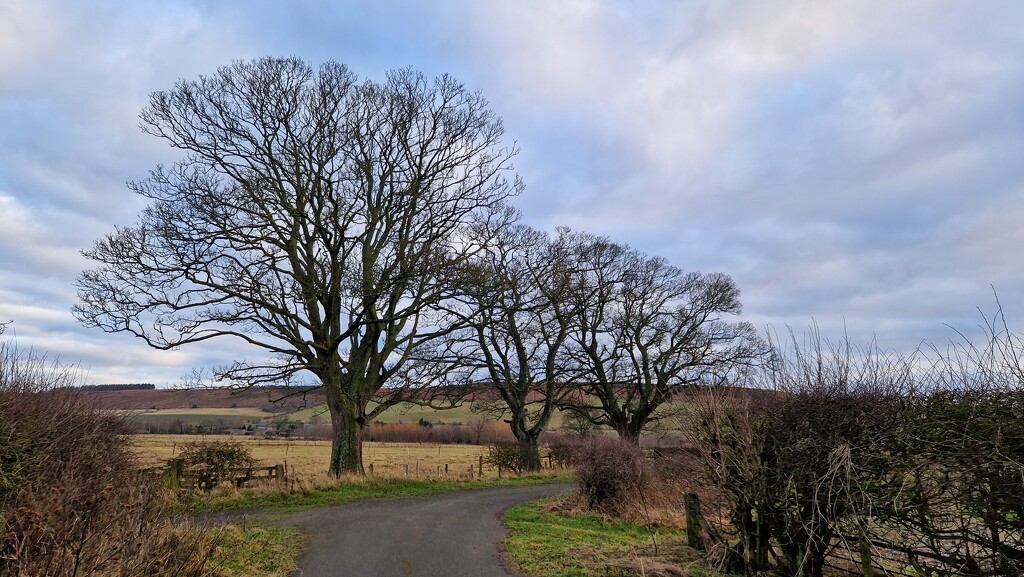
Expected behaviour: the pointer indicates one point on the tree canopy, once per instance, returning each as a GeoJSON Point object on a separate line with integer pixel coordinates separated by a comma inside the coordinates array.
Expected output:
{"type": "Point", "coordinates": [517, 325]}
{"type": "Point", "coordinates": [313, 216]}
{"type": "Point", "coordinates": [643, 331]}
{"type": "Point", "coordinates": [357, 233]}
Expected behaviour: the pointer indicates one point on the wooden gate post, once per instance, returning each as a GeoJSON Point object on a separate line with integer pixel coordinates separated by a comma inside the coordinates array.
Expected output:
{"type": "Point", "coordinates": [171, 478]}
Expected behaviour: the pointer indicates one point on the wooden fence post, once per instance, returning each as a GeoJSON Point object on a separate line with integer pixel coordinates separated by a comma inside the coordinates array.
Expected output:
{"type": "Point", "coordinates": [173, 474]}
{"type": "Point", "coordinates": [279, 473]}
{"type": "Point", "coordinates": [691, 505]}
{"type": "Point", "coordinates": [480, 468]}
{"type": "Point", "coordinates": [866, 564]}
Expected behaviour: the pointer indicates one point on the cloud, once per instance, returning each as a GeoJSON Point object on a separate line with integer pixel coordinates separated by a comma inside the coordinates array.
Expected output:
{"type": "Point", "coordinates": [853, 162]}
{"type": "Point", "coordinates": [837, 158]}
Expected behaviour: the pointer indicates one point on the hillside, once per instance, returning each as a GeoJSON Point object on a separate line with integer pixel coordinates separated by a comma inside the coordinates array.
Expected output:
{"type": "Point", "coordinates": [262, 398]}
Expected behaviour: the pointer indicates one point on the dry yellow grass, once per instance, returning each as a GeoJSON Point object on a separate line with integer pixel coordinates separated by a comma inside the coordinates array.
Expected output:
{"type": "Point", "coordinates": [307, 461]}
{"type": "Point", "coordinates": [409, 413]}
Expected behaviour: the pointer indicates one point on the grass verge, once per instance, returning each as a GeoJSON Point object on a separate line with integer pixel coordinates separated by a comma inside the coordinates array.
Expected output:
{"type": "Point", "coordinates": [347, 491]}
{"type": "Point", "coordinates": [542, 543]}
{"type": "Point", "coordinates": [256, 551]}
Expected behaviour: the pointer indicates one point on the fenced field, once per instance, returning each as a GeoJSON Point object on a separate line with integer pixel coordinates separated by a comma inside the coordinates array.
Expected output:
{"type": "Point", "coordinates": [307, 460]}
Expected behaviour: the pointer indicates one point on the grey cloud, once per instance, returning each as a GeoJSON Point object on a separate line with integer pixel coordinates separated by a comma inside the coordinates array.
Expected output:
{"type": "Point", "coordinates": [854, 163]}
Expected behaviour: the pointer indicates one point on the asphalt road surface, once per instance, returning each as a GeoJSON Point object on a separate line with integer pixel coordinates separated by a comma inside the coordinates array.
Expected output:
{"type": "Point", "coordinates": [451, 535]}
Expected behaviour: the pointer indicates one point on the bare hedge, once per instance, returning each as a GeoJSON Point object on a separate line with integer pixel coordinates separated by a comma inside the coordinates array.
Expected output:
{"type": "Point", "coordinates": [862, 460]}
{"type": "Point", "coordinates": [71, 500]}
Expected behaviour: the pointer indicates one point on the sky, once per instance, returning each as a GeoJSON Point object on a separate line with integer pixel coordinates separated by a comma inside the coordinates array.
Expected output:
{"type": "Point", "coordinates": [856, 165]}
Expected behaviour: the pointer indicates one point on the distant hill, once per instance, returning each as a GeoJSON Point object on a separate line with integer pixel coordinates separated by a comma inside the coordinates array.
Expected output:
{"type": "Point", "coordinates": [140, 399]}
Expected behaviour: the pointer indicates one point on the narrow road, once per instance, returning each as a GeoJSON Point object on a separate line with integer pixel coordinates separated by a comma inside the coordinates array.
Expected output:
{"type": "Point", "coordinates": [451, 535]}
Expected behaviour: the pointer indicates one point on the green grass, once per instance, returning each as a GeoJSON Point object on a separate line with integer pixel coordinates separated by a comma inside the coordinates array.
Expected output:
{"type": "Point", "coordinates": [544, 544]}
{"type": "Point", "coordinates": [256, 551]}
{"type": "Point", "coordinates": [348, 491]}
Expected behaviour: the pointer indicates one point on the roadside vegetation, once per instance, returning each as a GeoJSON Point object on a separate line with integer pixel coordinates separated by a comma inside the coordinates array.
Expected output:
{"type": "Point", "coordinates": [827, 460]}
{"type": "Point", "coordinates": [349, 489]}
{"type": "Point", "coordinates": [544, 541]}
{"type": "Point", "coordinates": [74, 501]}
{"type": "Point", "coordinates": [256, 551]}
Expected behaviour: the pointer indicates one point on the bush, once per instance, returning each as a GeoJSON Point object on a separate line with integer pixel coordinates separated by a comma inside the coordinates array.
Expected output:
{"type": "Point", "coordinates": [514, 457]}
{"type": "Point", "coordinates": [860, 456]}
{"type": "Point", "coordinates": [217, 456]}
{"type": "Point", "coordinates": [216, 461]}
{"type": "Point", "coordinates": [563, 451]}
{"type": "Point", "coordinates": [611, 473]}
{"type": "Point", "coordinates": [479, 433]}
{"type": "Point", "coordinates": [73, 502]}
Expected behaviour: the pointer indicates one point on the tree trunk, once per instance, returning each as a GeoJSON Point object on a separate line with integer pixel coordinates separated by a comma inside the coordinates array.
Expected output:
{"type": "Point", "coordinates": [694, 538]}
{"type": "Point", "coordinates": [531, 456]}
{"type": "Point", "coordinates": [347, 440]}
{"type": "Point", "coordinates": [627, 432]}
{"type": "Point", "coordinates": [530, 446]}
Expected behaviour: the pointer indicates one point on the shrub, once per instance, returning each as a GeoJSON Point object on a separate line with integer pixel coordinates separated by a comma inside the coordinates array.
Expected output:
{"type": "Point", "coordinates": [72, 500]}
{"type": "Point", "coordinates": [215, 461]}
{"type": "Point", "coordinates": [611, 473]}
{"type": "Point", "coordinates": [563, 451]}
{"type": "Point", "coordinates": [515, 457]}
{"type": "Point", "coordinates": [863, 455]}
{"type": "Point", "coordinates": [476, 433]}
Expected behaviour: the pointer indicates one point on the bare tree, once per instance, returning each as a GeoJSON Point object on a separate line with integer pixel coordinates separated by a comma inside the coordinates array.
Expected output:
{"type": "Point", "coordinates": [313, 217]}
{"type": "Point", "coordinates": [644, 331]}
{"type": "Point", "coordinates": [518, 317]}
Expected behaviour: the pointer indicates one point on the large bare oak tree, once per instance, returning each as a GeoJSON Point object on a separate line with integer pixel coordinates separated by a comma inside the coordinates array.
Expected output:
{"type": "Point", "coordinates": [313, 216]}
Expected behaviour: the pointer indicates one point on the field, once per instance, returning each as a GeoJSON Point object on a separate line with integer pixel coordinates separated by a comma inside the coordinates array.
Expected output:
{"type": "Point", "coordinates": [251, 406]}
{"type": "Point", "coordinates": [214, 417]}
{"type": "Point", "coordinates": [308, 460]}
{"type": "Point", "coordinates": [205, 412]}
{"type": "Point", "coordinates": [402, 413]}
